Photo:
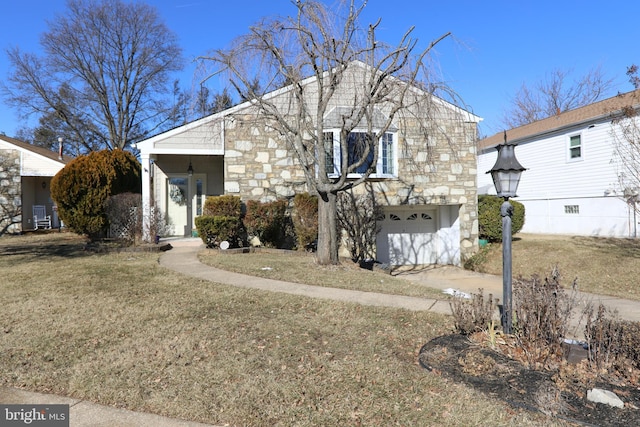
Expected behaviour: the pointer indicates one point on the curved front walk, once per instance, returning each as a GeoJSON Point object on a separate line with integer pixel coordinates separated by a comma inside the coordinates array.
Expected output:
{"type": "Point", "coordinates": [183, 258]}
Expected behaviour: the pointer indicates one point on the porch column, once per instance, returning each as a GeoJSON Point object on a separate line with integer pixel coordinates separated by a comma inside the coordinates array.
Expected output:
{"type": "Point", "coordinates": [146, 198]}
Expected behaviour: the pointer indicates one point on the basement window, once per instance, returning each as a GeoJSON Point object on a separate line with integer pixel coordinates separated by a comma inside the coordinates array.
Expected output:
{"type": "Point", "coordinates": [572, 209]}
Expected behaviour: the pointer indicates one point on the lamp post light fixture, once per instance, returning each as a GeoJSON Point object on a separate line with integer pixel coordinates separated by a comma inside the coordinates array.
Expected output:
{"type": "Point", "coordinates": [506, 177]}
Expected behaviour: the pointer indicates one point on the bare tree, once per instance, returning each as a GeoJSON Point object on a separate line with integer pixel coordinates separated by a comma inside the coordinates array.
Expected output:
{"type": "Point", "coordinates": [555, 94]}
{"type": "Point", "coordinates": [357, 215]}
{"type": "Point", "coordinates": [626, 144]}
{"type": "Point", "coordinates": [105, 73]}
{"type": "Point", "coordinates": [221, 101]}
{"type": "Point", "coordinates": [322, 61]}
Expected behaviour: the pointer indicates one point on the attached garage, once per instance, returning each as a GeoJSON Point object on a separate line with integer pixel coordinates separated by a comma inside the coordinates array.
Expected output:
{"type": "Point", "coordinates": [419, 235]}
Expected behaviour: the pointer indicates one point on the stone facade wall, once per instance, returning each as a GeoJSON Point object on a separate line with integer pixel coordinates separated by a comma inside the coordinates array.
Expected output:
{"type": "Point", "coordinates": [258, 164]}
{"type": "Point", "coordinates": [436, 170]}
{"type": "Point", "coordinates": [10, 191]}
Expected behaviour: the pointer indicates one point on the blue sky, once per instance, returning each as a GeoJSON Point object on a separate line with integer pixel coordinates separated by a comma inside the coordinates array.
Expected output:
{"type": "Point", "coordinates": [496, 45]}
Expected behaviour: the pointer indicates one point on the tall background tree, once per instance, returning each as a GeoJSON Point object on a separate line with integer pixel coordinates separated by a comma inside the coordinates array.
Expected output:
{"type": "Point", "coordinates": [556, 93]}
{"type": "Point", "coordinates": [104, 79]}
{"type": "Point", "coordinates": [626, 144]}
{"type": "Point", "coordinates": [324, 43]}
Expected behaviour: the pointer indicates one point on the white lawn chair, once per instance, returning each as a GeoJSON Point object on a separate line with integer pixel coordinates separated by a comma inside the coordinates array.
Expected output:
{"type": "Point", "coordinates": [40, 217]}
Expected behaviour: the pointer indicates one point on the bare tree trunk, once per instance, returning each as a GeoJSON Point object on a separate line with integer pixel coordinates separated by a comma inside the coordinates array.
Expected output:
{"type": "Point", "coordinates": [327, 230]}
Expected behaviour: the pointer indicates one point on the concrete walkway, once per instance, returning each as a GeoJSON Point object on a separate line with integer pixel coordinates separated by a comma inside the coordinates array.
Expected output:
{"type": "Point", "coordinates": [183, 258]}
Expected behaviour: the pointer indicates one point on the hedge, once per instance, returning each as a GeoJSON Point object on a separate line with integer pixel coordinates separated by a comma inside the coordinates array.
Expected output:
{"type": "Point", "coordinates": [222, 221]}
{"type": "Point", "coordinates": [490, 220]}
{"type": "Point", "coordinates": [305, 219]}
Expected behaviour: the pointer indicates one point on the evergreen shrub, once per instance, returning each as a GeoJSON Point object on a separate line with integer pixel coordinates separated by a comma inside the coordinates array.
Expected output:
{"type": "Point", "coordinates": [82, 187]}
{"type": "Point", "coordinates": [267, 221]}
{"type": "Point", "coordinates": [223, 206]}
{"type": "Point", "coordinates": [490, 220]}
{"type": "Point", "coordinates": [222, 221]}
{"type": "Point", "coordinates": [305, 219]}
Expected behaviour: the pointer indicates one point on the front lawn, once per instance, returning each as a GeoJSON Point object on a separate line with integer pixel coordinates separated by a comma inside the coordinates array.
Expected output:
{"type": "Point", "coordinates": [118, 329]}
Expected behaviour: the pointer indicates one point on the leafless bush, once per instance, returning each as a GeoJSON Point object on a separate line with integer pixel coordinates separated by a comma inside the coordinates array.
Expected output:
{"type": "Point", "coordinates": [357, 215]}
{"type": "Point", "coordinates": [124, 212]}
{"type": "Point", "coordinates": [612, 343]}
{"type": "Point", "coordinates": [542, 310]}
{"type": "Point", "coordinates": [473, 315]}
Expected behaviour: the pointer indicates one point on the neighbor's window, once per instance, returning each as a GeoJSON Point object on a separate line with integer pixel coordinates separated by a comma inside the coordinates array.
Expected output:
{"type": "Point", "coordinates": [571, 209]}
{"type": "Point", "coordinates": [575, 147]}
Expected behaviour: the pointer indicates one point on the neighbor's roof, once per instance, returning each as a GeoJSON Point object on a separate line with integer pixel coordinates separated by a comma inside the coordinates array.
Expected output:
{"type": "Point", "coordinates": [598, 110]}
{"type": "Point", "coordinates": [35, 149]}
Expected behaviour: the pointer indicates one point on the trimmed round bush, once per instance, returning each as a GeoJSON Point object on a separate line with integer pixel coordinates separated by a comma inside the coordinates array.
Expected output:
{"type": "Point", "coordinates": [222, 221]}
{"type": "Point", "coordinates": [490, 220]}
{"type": "Point", "coordinates": [267, 221]}
{"type": "Point", "coordinates": [82, 187]}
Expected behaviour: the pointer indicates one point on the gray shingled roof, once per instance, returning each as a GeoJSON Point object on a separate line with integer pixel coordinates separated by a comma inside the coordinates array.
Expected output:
{"type": "Point", "coordinates": [610, 107]}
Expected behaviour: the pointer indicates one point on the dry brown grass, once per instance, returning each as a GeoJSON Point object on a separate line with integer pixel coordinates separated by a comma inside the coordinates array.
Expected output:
{"type": "Point", "coordinates": [603, 266]}
{"type": "Point", "coordinates": [301, 267]}
{"type": "Point", "coordinates": [118, 329]}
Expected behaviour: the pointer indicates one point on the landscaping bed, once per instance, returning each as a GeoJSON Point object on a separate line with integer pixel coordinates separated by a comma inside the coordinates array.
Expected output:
{"type": "Point", "coordinates": [559, 393]}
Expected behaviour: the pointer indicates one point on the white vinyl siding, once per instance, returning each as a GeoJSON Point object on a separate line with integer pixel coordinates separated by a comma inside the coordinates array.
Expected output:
{"type": "Point", "coordinates": [552, 182]}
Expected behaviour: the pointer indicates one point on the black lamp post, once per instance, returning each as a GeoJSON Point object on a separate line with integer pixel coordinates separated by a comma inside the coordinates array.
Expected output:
{"type": "Point", "coordinates": [506, 177]}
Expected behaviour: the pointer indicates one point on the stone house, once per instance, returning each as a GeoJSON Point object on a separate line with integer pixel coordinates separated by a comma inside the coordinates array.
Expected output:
{"type": "Point", "coordinates": [425, 184]}
{"type": "Point", "coordinates": [25, 177]}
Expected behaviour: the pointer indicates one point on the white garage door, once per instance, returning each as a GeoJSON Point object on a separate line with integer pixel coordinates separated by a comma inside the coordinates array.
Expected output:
{"type": "Point", "coordinates": [408, 237]}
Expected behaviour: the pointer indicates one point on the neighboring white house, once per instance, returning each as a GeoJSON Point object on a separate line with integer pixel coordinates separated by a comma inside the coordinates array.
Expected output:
{"type": "Point", "coordinates": [573, 182]}
{"type": "Point", "coordinates": [25, 175]}
{"type": "Point", "coordinates": [426, 185]}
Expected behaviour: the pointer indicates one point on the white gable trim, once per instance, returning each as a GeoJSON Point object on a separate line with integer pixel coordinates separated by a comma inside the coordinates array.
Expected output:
{"type": "Point", "coordinates": [32, 163]}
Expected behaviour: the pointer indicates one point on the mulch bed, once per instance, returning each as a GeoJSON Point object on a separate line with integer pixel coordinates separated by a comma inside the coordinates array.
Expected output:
{"type": "Point", "coordinates": [462, 360]}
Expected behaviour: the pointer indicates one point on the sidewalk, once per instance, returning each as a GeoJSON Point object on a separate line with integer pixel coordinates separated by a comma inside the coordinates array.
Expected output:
{"type": "Point", "coordinates": [87, 414]}
{"type": "Point", "coordinates": [183, 258]}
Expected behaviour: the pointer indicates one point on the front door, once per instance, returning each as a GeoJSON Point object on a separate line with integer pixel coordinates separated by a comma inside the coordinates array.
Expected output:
{"type": "Point", "coordinates": [177, 194]}
{"type": "Point", "coordinates": [185, 199]}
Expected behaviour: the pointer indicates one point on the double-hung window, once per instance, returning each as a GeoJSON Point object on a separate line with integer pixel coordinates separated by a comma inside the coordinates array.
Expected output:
{"type": "Point", "coordinates": [387, 151]}
{"type": "Point", "coordinates": [357, 145]}
{"type": "Point", "coordinates": [330, 165]}
{"type": "Point", "coordinates": [575, 147]}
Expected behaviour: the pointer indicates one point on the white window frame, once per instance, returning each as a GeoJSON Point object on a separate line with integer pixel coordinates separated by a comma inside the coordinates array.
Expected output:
{"type": "Point", "coordinates": [380, 172]}
{"type": "Point", "coordinates": [570, 148]}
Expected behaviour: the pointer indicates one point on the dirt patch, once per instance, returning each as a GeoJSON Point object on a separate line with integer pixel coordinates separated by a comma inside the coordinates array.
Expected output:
{"type": "Point", "coordinates": [462, 360]}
